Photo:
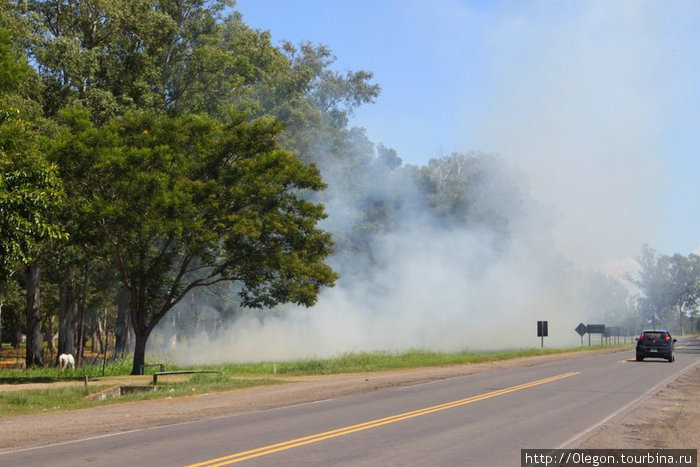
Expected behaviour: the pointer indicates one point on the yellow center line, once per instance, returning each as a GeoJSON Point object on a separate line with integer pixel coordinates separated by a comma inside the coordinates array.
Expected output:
{"type": "Point", "coordinates": [273, 448]}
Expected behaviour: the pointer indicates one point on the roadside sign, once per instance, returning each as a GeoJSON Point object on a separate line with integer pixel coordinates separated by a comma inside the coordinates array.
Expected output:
{"type": "Point", "coordinates": [542, 331]}
{"type": "Point", "coordinates": [581, 329]}
{"type": "Point", "coordinates": [595, 329]}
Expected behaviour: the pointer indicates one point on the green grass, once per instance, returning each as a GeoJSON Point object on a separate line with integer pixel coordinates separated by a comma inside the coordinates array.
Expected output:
{"type": "Point", "coordinates": [386, 361]}
{"type": "Point", "coordinates": [233, 376]}
{"type": "Point", "coordinates": [43, 400]}
{"type": "Point", "coordinates": [76, 397]}
{"type": "Point", "coordinates": [117, 367]}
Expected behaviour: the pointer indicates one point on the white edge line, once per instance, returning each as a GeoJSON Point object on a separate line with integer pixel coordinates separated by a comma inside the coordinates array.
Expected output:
{"type": "Point", "coordinates": [629, 405]}
{"type": "Point", "coordinates": [189, 422]}
{"type": "Point", "coordinates": [156, 427]}
{"type": "Point", "coordinates": [186, 422]}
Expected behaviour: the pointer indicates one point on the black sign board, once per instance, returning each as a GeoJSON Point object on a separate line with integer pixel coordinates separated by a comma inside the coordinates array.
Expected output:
{"type": "Point", "coordinates": [581, 329]}
{"type": "Point", "coordinates": [542, 331]}
{"type": "Point", "coordinates": [595, 329]}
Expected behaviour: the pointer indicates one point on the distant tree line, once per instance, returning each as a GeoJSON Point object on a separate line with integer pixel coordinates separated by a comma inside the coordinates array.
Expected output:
{"type": "Point", "coordinates": [669, 290]}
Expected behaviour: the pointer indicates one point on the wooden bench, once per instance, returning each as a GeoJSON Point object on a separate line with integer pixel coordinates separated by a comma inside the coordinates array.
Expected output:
{"type": "Point", "coordinates": [181, 372]}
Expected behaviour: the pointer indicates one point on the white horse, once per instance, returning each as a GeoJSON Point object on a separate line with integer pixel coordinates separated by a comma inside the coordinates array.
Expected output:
{"type": "Point", "coordinates": [66, 359]}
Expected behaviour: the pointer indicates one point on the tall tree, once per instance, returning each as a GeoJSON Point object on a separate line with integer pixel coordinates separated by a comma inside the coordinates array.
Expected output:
{"type": "Point", "coordinates": [653, 280]}
{"type": "Point", "coordinates": [189, 202]}
{"type": "Point", "coordinates": [29, 186]}
{"type": "Point", "coordinates": [684, 278]}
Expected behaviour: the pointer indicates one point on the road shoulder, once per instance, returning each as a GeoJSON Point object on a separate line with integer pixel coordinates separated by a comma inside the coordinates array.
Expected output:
{"type": "Point", "coordinates": [670, 418]}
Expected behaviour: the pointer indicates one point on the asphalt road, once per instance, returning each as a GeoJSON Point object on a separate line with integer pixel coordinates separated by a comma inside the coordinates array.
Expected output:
{"type": "Point", "coordinates": [482, 419]}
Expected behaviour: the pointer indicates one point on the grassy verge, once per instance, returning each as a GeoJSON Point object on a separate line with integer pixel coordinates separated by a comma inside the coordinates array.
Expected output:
{"type": "Point", "coordinates": [119, 367]}
{"type": "Point", "coordinates": [386, 361]}
{"type": "Point", "coordinates": [77, 397]}
{"type": "Point", "coordinates": [233, 376]}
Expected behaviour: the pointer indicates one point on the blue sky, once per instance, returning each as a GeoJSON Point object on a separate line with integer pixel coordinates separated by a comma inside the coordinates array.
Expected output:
{"type": "Point", "coordinates": [598, 102]}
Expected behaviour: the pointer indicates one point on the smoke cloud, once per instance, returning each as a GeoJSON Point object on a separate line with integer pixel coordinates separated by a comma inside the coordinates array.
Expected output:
{"type": "Point", "coordinates": [582, 103]}
{"type": "Point", "coordinates": [420, 285]}
{"type": "Point", "coordinates": [572, 111]}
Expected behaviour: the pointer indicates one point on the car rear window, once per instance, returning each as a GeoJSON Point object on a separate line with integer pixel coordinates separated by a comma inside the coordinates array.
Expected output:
{"type": "Point", "coordinates": [654, 335]}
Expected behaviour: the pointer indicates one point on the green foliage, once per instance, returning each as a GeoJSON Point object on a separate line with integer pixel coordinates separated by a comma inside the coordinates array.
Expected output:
{"type": "Point", "coordinates": [188, 201]}
{"type": "Point", "coordinates": [474, 190]}
{"type": "Point", "coordinates": [29, 186]}
{"type": "Point", "coordinates": [669, 284]}
{"type": "Point", "coordinates": [166, 118]}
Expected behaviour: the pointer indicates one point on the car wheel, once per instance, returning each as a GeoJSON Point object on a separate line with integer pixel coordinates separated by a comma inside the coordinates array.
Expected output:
{"type": "Point", "coordinates": [639, 359]}
{"type": "Point", "coordinates": [672, 358]}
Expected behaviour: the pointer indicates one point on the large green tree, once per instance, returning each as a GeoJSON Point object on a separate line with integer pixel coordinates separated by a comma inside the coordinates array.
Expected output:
{"type": "Point", "coordinates": [188, 202]}
{"type": "Point", "coordinates": [29, 186]}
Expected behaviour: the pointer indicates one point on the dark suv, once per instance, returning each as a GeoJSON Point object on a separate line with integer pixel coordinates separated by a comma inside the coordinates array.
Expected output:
{"type": "Point", "coordinates": [656, 343]}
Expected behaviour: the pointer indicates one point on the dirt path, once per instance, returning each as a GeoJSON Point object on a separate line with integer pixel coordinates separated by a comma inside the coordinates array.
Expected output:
{"type": "Point", "coordinates": [679, 398]}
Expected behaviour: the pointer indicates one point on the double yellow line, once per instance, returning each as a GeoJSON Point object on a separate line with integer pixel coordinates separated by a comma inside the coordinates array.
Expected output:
{"type": "Point", "coordinates": [294, 443]}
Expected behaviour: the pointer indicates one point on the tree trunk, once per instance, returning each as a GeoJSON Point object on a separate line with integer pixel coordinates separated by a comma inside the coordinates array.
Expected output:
{"type": "Point", "coordinates": [51, 345]}
{"type": "Point", "coordinates": [34, 356]}
{"type": "Point", "coordinates": [130, 338]}
{"type": "Point", "coordinates": [67, 314]}
{"type": "Point", "coordinates": [81, 326]}
{"type": "Point", "coordinates": [81, 337]}
{"type": "Point", "coordinates": [123, 327]}
{"type": "Point", "coordinates": [98, 335]}
{"type": "Point", "coordinates": [95, 343]}
{"type": "Point", "coordinates": [143, 323]}
{"type": "Point", "coordinates": [16, 338]}
{"type": "Point", "coordinates": [1, 304]}
{"type": "Point", "coordinates": [139, 352]}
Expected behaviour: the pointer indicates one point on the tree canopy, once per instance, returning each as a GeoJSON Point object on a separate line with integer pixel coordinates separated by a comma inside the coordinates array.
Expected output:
{"type": "Point", "coordinates": [188, 201]}
{"type": "Point", "coordinates": [29, 185]}
{"type": "Point", "coordinates": [670, 288]}
{"type": "Point", "coordinates": [167, 117]}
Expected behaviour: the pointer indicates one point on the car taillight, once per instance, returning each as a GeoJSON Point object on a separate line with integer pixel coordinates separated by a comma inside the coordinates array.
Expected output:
{"type": "Point", "coordinates": [667, 337]}
{"type": "Point", "coordinates": [641, 337]}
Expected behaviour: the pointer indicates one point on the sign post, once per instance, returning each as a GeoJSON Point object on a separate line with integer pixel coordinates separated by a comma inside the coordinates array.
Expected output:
{"type": "Point", "coordinates": [581, 329]}
{"type": "Point", "coordinates": [595, 329]}
{"type": "Point", "coordinates": [542, 331]}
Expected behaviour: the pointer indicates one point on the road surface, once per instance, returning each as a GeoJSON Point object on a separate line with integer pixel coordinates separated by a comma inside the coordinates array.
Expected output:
{"type": "Point", "coordinates": [481, 419]}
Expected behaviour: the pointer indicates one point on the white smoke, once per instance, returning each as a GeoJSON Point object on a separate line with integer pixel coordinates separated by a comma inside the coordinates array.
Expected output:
{"type": "Point", "coordinates": [576, 95]}
{"type": "Point", "coordinates": [437, 288]}
{"type": "Point", "coordinates": [582, 101]}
